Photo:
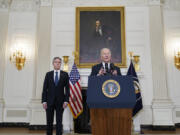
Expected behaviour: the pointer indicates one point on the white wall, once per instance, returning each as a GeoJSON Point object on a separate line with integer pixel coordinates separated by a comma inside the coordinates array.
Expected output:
{"type": "Point", "coordinates": [18, 85]}
{"type": "Point", "coordinates": [172, 35]}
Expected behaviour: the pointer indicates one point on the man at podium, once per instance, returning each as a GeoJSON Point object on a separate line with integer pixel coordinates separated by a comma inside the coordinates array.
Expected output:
{"type": "Point", "coordinates": [105, 67]}
{"type": "Point", "coordinates": [110, 97]}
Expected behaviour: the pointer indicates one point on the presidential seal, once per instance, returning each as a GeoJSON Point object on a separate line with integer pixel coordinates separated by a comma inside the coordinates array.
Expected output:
{"type": "Point", "coordinates": [111, 88]}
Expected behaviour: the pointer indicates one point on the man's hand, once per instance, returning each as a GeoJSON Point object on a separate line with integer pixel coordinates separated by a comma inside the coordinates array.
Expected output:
{"type": "Point", "coordinates": [45, 105]}
{"type": "Point", "coordinates": [65, 105]}
{"type": "Point", "coordinates": [114, 72]}
{"type": "Point", "coordinates": [101, 72]}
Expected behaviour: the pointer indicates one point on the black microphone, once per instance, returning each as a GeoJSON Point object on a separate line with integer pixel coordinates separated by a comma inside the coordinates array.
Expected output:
{"type": "Point", "coordinates": [112, 68]}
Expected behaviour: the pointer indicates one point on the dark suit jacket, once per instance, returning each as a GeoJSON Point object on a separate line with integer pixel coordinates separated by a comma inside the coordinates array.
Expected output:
{"type": "Point", "coordinates": [52, 93]}
{"type": "Point", "coordinates": [96, 68]}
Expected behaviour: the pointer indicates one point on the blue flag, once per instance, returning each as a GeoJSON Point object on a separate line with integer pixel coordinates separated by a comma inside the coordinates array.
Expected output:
{"type": "Point", "coordinates": [138, 106]}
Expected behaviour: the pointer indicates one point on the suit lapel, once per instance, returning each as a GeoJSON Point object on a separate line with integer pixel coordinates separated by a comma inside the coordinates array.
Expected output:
{"type": "Point", "coordinates": [52, 76]}
{"type": "Point", "coordinates": [61, 77]}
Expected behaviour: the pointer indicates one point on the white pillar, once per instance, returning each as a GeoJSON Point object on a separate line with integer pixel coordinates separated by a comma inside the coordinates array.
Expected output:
{"type": "Point", "coordinates": [38, 116]}
{"type": "Point", "coordinates": [162, 106]}
{"type": "Point", "coordinates": [4, 15]}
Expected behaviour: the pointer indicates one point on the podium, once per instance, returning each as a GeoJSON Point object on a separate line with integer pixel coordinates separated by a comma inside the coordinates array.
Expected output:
{"type": "Point", "coordinates": [111, 99]}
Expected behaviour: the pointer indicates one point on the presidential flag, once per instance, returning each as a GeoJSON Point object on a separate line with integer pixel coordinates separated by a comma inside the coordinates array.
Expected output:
{"type": "Point", "coordinates": [75, 101]}
{"type": "Point", "coordinates": [138, 106]}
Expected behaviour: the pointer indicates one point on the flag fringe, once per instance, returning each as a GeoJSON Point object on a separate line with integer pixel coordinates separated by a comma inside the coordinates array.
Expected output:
{"type": "Point", "coordinates": [75, 117]}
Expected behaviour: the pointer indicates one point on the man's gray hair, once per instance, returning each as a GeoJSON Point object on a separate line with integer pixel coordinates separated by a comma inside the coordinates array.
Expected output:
{"type": "Point", "coordinates": [56, 58]}
{"type": "Point", "coordinates": [105, 49]}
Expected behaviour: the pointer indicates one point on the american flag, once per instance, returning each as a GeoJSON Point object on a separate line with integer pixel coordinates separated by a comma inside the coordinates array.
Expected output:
{"type": "Point", "coordinates": [75, 102]}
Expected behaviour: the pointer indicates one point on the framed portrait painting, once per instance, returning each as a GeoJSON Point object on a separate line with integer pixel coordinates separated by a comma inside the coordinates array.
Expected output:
{"type": "Point", "coordinates": [97, 28]}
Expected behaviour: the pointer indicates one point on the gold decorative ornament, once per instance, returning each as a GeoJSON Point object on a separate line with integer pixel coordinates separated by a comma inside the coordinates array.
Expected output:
{"type": "Point", "coordinates": [177, 60]}
{"type": "Point", "coordinates": [130, 54]}
{"type": "Point", "coordinates": [19, 58]}
{"type": "Point", "coordinates": [66, 60]}
{"type": "Point", "coordinates": [111, 88]}
{"type": "Point", "coordinates": [136, 62]}
{"type": "Point", "coordinates": [135, 59]}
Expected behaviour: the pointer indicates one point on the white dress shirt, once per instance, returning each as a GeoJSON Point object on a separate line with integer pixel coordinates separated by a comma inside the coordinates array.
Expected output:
{"type": "Point", "coordinates": [104, 65]}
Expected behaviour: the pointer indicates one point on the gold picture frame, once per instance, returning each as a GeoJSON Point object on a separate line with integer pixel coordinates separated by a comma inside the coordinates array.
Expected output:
{"type": "Point", "coordinates": [89, 43]}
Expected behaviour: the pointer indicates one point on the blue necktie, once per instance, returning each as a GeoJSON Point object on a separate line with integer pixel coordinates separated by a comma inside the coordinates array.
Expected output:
{"type": "Point", "coordinates": [56, 79]}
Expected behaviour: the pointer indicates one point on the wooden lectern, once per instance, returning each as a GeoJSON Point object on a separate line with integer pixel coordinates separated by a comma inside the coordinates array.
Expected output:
{"type": "Point", "coordinates": [111, 116]}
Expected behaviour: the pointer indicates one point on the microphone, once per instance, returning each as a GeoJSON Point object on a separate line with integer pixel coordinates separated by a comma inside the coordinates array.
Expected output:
{"type": "Point", "coordinates": [112, 68]}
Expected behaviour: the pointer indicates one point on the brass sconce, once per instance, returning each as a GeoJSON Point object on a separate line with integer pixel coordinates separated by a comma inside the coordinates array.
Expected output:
{"type": "Point", "coordinates": [136, 62]}
{"type": "Point", "coordinates": [177, 60]}
{"type": "Point", "coordinates": [66, 60]}
{"type": "Point", "coordinates": [135, 59]}
{"type": "Point", "coordinates": [18, 58]}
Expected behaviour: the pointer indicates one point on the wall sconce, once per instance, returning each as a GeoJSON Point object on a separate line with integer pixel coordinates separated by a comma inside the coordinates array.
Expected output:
{"type": "Point", "coordinates": [18, 58]}
{"type": "Point", "coordinates": [176, 43]}
{"type": "Point", "coordinates": [66, 60]}
{"type": "Point", "coordinates": [135, 59]}
{"type": "Point", "coordinates": [136, 62]}
{"type": "Point", "coordinates": [177, 60]}
{"type": "Point", "coordinates": [19, 53]}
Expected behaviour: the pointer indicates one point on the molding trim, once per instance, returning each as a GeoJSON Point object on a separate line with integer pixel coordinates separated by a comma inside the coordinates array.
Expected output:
{"type": "Point", "coordinates": [158, 128]}
{"type": "Point", "coordinates": [177, 125]}
{"type": "Point", "coordinates": [1, 109]}
{"type": "Point", "coordinates": [154, 2]}
{"type": "Point", "coordinates": [43, 127]}
{"type": "Point", "coordinates": [9, 124]}
{"type": "Point", "coordinates": [72, 3]}
{"type": "Point", "coordinates": [46, 3]}
{"type": "Point", "coordinates": [167, 4]}
{"type": "Point", "coordinates": [171, 4]}
{"type": "Point", "coordinates": [5, 4]}
{"type": "Point", "coordinates": [25, 5]}
{"type": "Point", "coordinates": [162, 112]}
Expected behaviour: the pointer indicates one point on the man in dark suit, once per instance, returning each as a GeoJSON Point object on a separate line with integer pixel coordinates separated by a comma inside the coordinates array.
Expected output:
{"type": "Point", "coordinates": [54, 96]}
{"type": "Point", "coordinates": [105, 67]}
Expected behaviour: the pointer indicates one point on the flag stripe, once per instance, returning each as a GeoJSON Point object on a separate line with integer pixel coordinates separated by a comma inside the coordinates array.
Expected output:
{"type": "Point", "coordinates": [76, 96]}
{"type": "Point", "coordinates": [77, 108]}
{"type": "Point", "coordinates": [72, 107]}
{"type": "Point", "coordinates": [78, 83]}
{"type": "Point", "coordinates": [78, 90]}
{"type": "Point", "coordinates": [75, 104]}
{"type": "Point", "coordinates": [75, 90]}
{"type": "Point", "coordinates": [76, 93]}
